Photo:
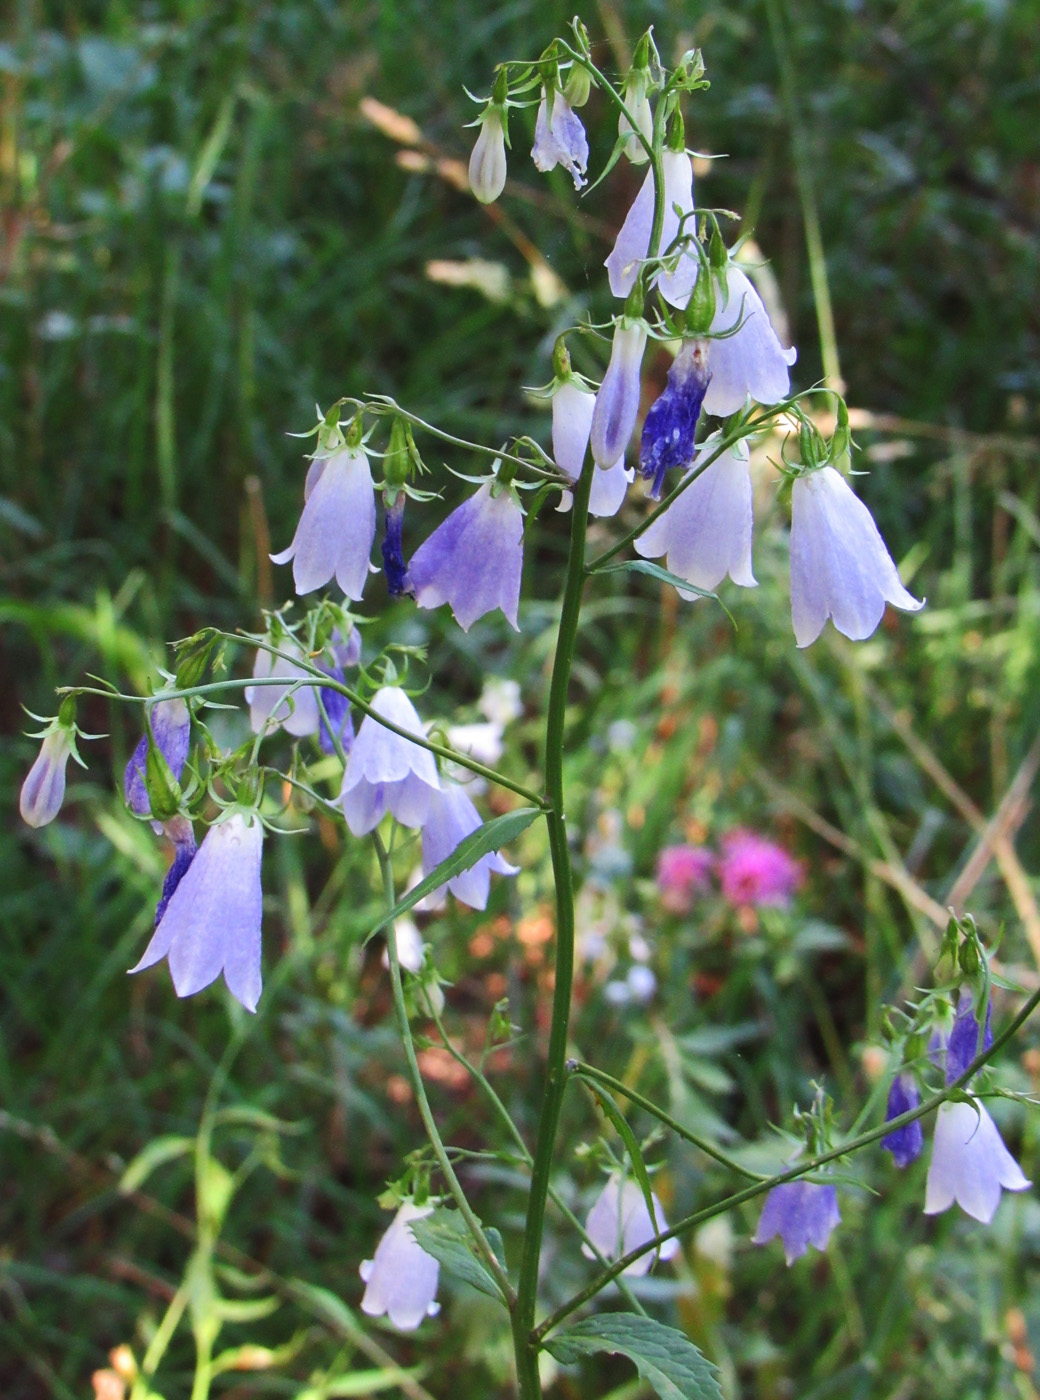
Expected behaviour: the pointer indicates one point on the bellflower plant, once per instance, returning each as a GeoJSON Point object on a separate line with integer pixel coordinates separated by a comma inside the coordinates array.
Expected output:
{"type": "Point", "coordinates": [272, 706]}
{"type": "Point", "coordinates": [401, 1279]}
{"type": "Point", "coordinates": [671, 422]}
{"type": "Point", "coordinates": [474, 559]}
{"type": "Point", "coordinates": [840, 568]}
{"type": "Point", "coordinates": [452, 817]}
{"type": "Point", "coordinates": [181, 834]}
{"type": "Point", "coordinates": [559, 137]}
{"type": "Point", "coordinates": [907, 1143]}
{"type": "Point", "coordinates": [802, 1213]}
{"type": "Point", "coordinates": [385, 772]}
{"type": "Point", "coordinates": [632, 245]}
{"type": "Point", "coordinates": [620, 1222]}
{"type": "Point", "coordinates": [487, 163]}
{"type": "Point", "coordinates": [617, 403]}
{"type": "Point", "coordinates": [746, 358]}
{"type": "Point", "coordinates": [338, 526]}
{"type": "Point", "coordinates": [170, 724]}
{"type": "Point", "coordinates": [43, 790]}
{"type": "Point", "coordinates": [572, 408]}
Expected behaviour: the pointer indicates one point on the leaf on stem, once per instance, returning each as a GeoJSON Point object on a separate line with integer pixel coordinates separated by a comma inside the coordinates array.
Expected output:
{"type": "Point", "coordinates": [444, 1236]}
{"type": "Point", "coordinates": [663, 1356]}
{"type": "Point", "coordinates": [628, 1137]}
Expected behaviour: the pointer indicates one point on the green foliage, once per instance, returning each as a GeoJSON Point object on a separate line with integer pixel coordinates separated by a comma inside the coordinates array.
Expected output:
{"type": "Point", "coordinates": [664, 1357]}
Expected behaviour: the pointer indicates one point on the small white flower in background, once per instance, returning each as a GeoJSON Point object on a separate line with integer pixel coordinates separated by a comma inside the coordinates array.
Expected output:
{"type": "Point", "coordinates": [620, 1222]}
{"type": "Point", "coordinates": [572, 409]}
{"type": "Point", "coordinates": [451, 818]}
{"type": "Point", "coordinates": [43, 791]}
{"type": "Point", "coordinates": [337, 527]}
{"type": "Point", "coordinates": [268, 707]}
{"type": "Point", "coordinates": [500, 701]}
{"type": "Point", "coordinates": [410, 945]}
{"type": "Point", "coordinates": [402, 1278]}
{"type": "Point", "coordinates": [706, 533]}
{"type": "Point", "coordinates": [386, 772]}
{"type": "Point", "coordinates": [487, 164]}
{"type": "Point", "coordinates": [559, 138]}
{"type": "Point", "coordinates": [751, 361]}
{"type": "Point", "coordinates": [970, 1164]}
{"type": "Point", "coordinates": [840, 568]}
{"type": "Point", "coordinates": [617, 403]}
{"type": "Point", "coordinates": [633, 241]}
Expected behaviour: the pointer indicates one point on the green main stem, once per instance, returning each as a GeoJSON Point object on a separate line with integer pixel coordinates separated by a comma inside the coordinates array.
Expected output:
{"type": "Point", "coordinates": [523, 1314]}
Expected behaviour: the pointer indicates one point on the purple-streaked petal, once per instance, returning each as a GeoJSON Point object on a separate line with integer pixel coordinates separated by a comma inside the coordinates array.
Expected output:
{"type": "Point", "coordinates": [572, 409]}
{"type": "Point", "coordinates": [963, 1045]}
{"type": "Point", "coordinates": [184, 851]}
{"type": "Point", "coordinates": [671, 422]}
{"type": "Point", "coordinates": [802, 1214]}
{"type": "Point", "coordinates": [560, 139]}
{"type": "Point", "coordinates": [451, 818]}
{"type": "Point", "coordinates": [633, 240]}
{"type": "Point", "coordinates": [620, 1222]}
{"type": "Point", "coordinates": [487, 164]}
{"type": "Point", "coordinates": [337, 526]}
{"type": "Point", "coordinates": [43, 791]}
{"type": "Point", "coordinates": [617, 403]}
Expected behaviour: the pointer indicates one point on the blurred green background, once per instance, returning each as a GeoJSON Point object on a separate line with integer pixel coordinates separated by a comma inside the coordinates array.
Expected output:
{"type": "Point", "coordinates": [206, 227]}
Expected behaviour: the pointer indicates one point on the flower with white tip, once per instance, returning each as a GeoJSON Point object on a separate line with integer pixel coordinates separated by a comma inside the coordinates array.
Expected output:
{"type": "Point", "coordinates": [338, 524]}
{"type": "Point", "coordinates": [751, 360]}
{"type": "Point", "coordinates": [450, 819]}
{"type": "Point", "coordinates": [272, 706]}
{"type": "Point", "coordinates": [620, 1222]}
{"type": "Point", "coordinates": [401, 1279]}
{"type": "Point", "coordinates": [474, 559]}
{"type": "Point", "coordinates": [43, 790]}
{"type": "Point", "coordinates": [634, 96]}
{"type": "Point", "coordinates": [572, 408]}
{"type": "Point", "coordinates": [633, 241]}
{"type": "Point", "coordinates": [802, 1213]}
{"type": "Point", "coordinates": [487, 164]}
{"type": "Point", "coordinates": [559, 138]}
{"type": "Point", "coordinates": [617, 403]}
{"type": "Point", "coordinates": [211, 923]}
{"type": "Point", "coordinates": [386, 772]}
{"type": "Point", "coordinates": [171, 729]}
{"type": "Point", "coordinates": [670, 426]}
{"type": "Point", "coordinates": [840, 568]}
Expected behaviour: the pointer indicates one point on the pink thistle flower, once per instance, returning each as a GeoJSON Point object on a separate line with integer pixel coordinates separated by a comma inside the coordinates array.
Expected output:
{"type": "Point", "coordinates": [682, 872]}
{"type": "Point", "coordinates": [756, 871]}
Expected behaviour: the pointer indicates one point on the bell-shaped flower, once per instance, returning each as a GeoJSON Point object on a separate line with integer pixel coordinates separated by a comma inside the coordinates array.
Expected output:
{"type": "Point", "coordinates": [272, 706]}
{"type": "Point", "coordinates": [171, 729]}
{"type": "Point", "coordinates": [706, 533]}
{"type": "Point", "coordinates": [398, 583]}
{"type": "Point", "coordinates": [840, 568]}
{"type": "Point", "coordinates": [386, 772]}
{"type": "Point", "coordinates": [559, 138]}
{"type": "Point", "coordinates": [401, 1280]}
{"type": "Point", "coordinates": [337, 527]}
{"type": "Point", "coordinates": [43, 790]}
{"type": "Point", "coordinates": [617, 403]}
{"type": "Point", "coordinates": [671, 421]}
{"type": "Point", "coordinates": [970, 1164]}
{"type": "Point", "coordinates": [802, 1214]}
{"type": "Point", "coordinates": [211, 923]}
{"type": "Point", "coordinates": [962, 1045]}
{"type": "Point", "coordinates": [751, 360]}
{"type": "Point", "coordinates": [572, 409]}
{"type": "Point", "coordinates": [907, 1143]}
{"type": "Point", "coordinates": [450, 819]}
{"type": "Point", "coordinates": [487, 164]}
{"type": "Point", "coordinates": [182, 834]}
{"type": "Point", "coordinates": [633, 241]}
{"type": "Point", "coordinates": [473, 560]}
{"type": "Point", "coordinates": [634, 96]}
{"type": "Point", "coordinates": [620, 1222]}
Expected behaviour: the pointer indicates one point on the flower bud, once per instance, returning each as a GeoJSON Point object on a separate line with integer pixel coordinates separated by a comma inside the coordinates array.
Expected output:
{"type": "Point", "coordinates": [44, 788]}
{"type": "Point", "coordinates": [487, 164]}
{"type": "Point", "coordinates": [617, 403]}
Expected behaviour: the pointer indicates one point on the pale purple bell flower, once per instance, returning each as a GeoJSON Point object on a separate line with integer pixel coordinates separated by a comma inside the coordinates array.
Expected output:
{"type": "Point", "coordinates": [171, 729]}
{"type": "Point", "coordinates": [706, 533]}
{"type": "Point", "coordinates": [633, 241]}
{"type": "Point", "coordinates": [751, 361]}
{"type": "Point", "coordinates": [617, 403]}
{"type": "Point", "coordinates": [401, 1279]}
{"type": "Point", "coordinates": [450, 819]}
{"type": "Point", "coordinates": [572, 409]}
{"type": "Point", "coordinates": [269, 706]}
{"type": "Point", "coordinates": [43, 790]}
{"type": "Point", "coordinates": [474, 559]}
{"type": "Point", "coordinates": [487, 164]}
{"type": "Point", "coordinates": [840, 567]}
{"type": "Point", "coordinates": [620, 1222]}
{"type": "Point", "coordinates": [386, 772]}
{"type": "Point", "coordinates": [337, 527]}
{"type": "Point", "coordinates": [211, 923]}
{"type": "Point", "coordinates": [802, 1214]}
{"type": "Point", "coordinates": [970, 1164]}
{"type": "Point", "coordinates": [671, 422]}
{"type": "Point", "coordinates": [559, 138]}
{"type": "Point", "coordinates": [907, 1143]}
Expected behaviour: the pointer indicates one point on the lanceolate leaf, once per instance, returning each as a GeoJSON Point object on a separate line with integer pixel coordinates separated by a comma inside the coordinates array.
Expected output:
{"type": "Point", "coordinates": [664, 1357]}
{"type": "Point", "coordinates": [644, 566]}
{"type": "Point", "coordinates": [628, 1137]}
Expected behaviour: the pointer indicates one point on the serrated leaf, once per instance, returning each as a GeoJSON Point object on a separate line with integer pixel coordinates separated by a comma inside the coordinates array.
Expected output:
{"type": "Point", "coordinates": [489, 837]}
{"type": "Point", "coordinates": [163, 1149]}
{"type": "Point", "coordinates": [664, 1357]}
{"type": "Point", "coordinates": [443, 1235]}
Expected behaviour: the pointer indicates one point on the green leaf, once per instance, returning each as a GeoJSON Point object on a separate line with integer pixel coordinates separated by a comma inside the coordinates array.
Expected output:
{"type": "Point", "coordinates": [489, 837]}
{"type": "Point", "coordinates": [163, 1149]}
{"type": "Point", "coordinates": [444, 1235]}
{"type": "Point", "coordinates": [644, 566]}
{"type": "Point", "coordinates": [615, 1115]}
{"type": "Point", "coordinates": [664, 1357]}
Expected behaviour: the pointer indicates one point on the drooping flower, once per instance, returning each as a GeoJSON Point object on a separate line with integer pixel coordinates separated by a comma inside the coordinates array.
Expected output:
{"type": "Point", "coordinates": [802, 1214]}
{"type": "Point", "coordinates": [270, 706]}
{"type": "Point", "coordinates": [398, 582]}
{"type": "Point", "coordinates": [634, 96]}
{"type": "Point", "coordinates": [559, 138]}
{"type": "Point", "coordinates": [706, 533]}
{"type": "Point", "coordinates": [572, 408]}
{"type": "Point", "coordinates": [970, 1164]}
{"type": "Point", "coordinates": [840, 567]}
{"type": "Point", "coordinates": [751, 360]}
{"type": "Point", "coordinates": [182, 834]}
{"type": "Point", "coordinates": [633, 241]}
{"type": "Point", "coordinates": [963, 1043]}
{"type": "Point", "coordinates": [410, 945]}
{"type": "Point", "coordinates": [337, 527]}
{"type": "Point", "coordinates": [617, 403]}
{"type": "Point", "coordinates": [336, 708]}
{"type": "Point", "coordinates": [756, 871]}
{"type": "Point", "coordinates": [43, 790]}
{"type": "Point", "coordinates": [487, 164]}
{"type": "Point", "coordinates": [671, 421]}
{"type": "Point", "coordinates": [386, 772]}
{"type": "Point", "coordinates": [401, 1279]}
{"type": "Point", "coordinates": [211, 923]}
{"type": "Point", "coordinates": [450, 819]}
{"type": "Point", "coordinates": [171, 729]}
{"type": "Point", "coordinates": [907, 1143]}
{"type": "Point", "coordinates": [620, 1222]}
{"type": "Point", "coordinates": [682, 873]}
{"type": "Point", "coordinates": [473, 560]}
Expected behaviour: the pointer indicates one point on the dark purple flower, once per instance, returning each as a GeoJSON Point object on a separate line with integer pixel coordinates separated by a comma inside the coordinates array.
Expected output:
{"type": "Point", "coordinates": [905, 1144]}
{"type": "Point", "coordinates": [171, 729]}
{"type": "Point", "coordinates": [181, 832]}
{"type": "Point", "coordinates": [802, 1214]}
{"type": "Point", "coordinates": [398, 583]}
{"type": "Point", "coordinates": [963, 1044]}
{"type": "Point", "coordinates": [671, 423]}
{"type": "Point", "coordinates": [337, 707]}
{"type": "Point", "coordinates": [756, 871]}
